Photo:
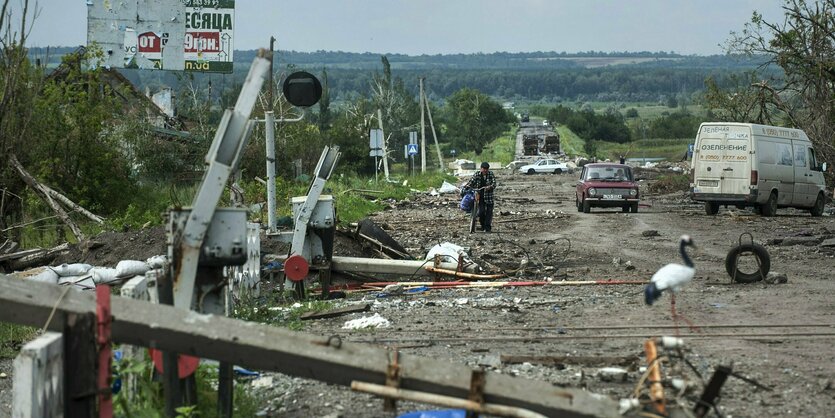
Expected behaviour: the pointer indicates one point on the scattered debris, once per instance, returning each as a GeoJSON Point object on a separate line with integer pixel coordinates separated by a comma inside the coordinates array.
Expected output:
{"type": "Point", "coordinates": [374, 321]}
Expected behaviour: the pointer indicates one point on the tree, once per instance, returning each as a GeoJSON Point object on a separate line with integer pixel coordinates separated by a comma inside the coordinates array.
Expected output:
{"type": "Point", "coordinates": [399, 109]}
{"type": "Point", "coordinates": [475, 119]}
{"type": "Point", "coordinates": [803, 45]}
{"type": "Point", "coordinates": [325, 104]}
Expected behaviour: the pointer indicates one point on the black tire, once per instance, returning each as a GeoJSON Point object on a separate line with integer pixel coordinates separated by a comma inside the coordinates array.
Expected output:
{"type": "Point", "coordinates": [531, 171]}
{"type": "Point", "coordinates": [577, 203]}
{"type": "Point", "coordinates": [743, 277]}
{"type": "Point", "coordinates": [558, 171]}
{"type": "Point", "coordinates": [586, 206]}
{"type": "Point", "coordinates": [634, 208]}
{"type": "Point", "coordinates": [817, 210]}
{"type": "Point", "coordinates": [711, 208]}
{"type": "Point", "coordinates": [625, 209]}
{"type": "Point", "coordinates": [769, 208]}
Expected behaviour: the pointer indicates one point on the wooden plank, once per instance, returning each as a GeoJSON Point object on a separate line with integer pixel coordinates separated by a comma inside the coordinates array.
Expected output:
{"type": "Point", "coordinates": [80, 366]}
{"type": "Point", "coordinates": [264, 347]}
{"type": "Point", "coordinates": [39, 378]}
{"type": "Point", "coordinates": [332, 313]}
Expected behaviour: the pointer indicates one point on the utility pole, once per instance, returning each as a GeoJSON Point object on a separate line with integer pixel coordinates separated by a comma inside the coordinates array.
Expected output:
{"type": "Point", "coordinates": [425, 102]}
{"type": "Point", "coordinates": [422, 131]}
{"type": "Point", "coordinates": [385, 147]}
{"type": "Point", "coordinates": [269, 118]}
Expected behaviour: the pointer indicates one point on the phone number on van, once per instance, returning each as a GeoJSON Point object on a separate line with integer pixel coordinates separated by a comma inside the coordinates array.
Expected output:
{"type": "Point", "coordinates": [730, 158]}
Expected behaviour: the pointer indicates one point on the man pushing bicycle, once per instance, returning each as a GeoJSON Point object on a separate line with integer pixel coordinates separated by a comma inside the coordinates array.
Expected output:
{"type": "Point", "coordinates": [484, 182]}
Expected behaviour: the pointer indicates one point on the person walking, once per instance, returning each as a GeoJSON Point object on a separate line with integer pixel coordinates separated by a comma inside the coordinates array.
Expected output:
{"type": "Point", "coordinates": [484, 181]}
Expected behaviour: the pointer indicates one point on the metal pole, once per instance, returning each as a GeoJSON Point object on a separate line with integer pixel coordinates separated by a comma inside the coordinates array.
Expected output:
{"type": "Point", "coordinates": [385, 147]}
{"type": "Point", "coordinates": [375, 169]}
{"type": "Point", "coordinates": [422, 131]}
{"type": "Point", "coordinates": [269, 117]}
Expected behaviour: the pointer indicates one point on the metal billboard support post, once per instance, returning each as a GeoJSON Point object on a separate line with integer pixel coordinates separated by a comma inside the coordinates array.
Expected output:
{"type": "Point", "coordinates": [269, 119]}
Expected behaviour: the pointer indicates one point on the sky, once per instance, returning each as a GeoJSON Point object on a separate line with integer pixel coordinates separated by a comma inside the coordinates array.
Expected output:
{"type": "Point", "coordinates": [415, 27]}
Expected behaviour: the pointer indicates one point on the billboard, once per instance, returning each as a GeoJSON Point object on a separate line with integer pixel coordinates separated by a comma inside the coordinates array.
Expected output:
{"type": "Point", "coordinates": [190, 35]}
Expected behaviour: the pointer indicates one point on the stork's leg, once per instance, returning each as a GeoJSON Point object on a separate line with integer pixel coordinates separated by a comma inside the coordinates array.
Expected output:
{"type": "Point", "coordinates": [676, 316]}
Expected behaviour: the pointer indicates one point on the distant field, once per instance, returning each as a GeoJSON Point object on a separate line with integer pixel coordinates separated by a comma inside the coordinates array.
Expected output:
{"type": "Point", "coordinates": [669, 149]}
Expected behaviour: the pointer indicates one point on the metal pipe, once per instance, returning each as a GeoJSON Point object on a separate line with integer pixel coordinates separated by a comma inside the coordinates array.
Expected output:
{"type": "Point", "coordinates": [442, 400]}
{"type": "Point", "coordinates": [535, 327]}
{"type": "Point", "coordinates": [656, 390]}
{"type": "Point", "coordinates": [463, 274]}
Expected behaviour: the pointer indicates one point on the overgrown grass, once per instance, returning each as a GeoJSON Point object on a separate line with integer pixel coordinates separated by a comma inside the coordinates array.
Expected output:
{"type": "Point", "coordinates": [13, 336]}
{"type": "Point", "coordinates": [148, 399]}
{"type": "Point", "coordinates": [570, 143]}
{"type": "Point", "coordinates": [669, 149]}
{"type": "Point", "coordinates": [671, 183]}
{"type": "Point", "coordinates": [502, 149]}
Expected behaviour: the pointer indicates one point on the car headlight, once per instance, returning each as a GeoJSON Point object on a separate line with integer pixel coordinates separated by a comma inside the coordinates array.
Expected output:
{"type": "Point", "coordinates": [633, 192]}
{"type": "Point", "coordinates": [592, 191]}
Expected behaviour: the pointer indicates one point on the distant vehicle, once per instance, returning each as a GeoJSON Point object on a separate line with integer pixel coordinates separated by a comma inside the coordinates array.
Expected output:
{"type": "Point", "coordinates": [607, 185]}
{"type": "Point", "coordinates": [544, 166]}
{"type": "Point", "coordinates": [526, 117]}
{"type": "Point", "coordinates": [759, 166]}
{"type": "Point", "coordinates": [545, 122]}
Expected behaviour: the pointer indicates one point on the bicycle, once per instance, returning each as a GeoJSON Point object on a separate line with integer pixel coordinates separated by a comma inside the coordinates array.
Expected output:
{"type": "Point", "coordinates": [475, 210]}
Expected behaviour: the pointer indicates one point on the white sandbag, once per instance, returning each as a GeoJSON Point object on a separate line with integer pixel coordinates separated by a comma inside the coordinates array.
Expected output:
{"type": "Point", "coordinates": [103, 275]}
{"type": "Point", "coordinates": [157, 261]}
{"type": "Point", "coordinates": [130, 268]}
{"type": "Point", "coordinates": [83, 281]}
{"type": "Point", "coordinates": [447, 188]}
{"type": "Point", "coordinates": [46, 275]}
{"type": "Point", "coordinates": [76, 269]}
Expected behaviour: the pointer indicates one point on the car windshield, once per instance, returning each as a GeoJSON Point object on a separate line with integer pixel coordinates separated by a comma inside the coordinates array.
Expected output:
{"type": "Point", "coordinates": [608, 174]}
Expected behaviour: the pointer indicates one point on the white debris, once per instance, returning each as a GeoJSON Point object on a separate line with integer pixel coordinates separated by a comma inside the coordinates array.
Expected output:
{"type": "Point", "coordinates": [103, 275]}
{"type": "Point", "coordinates": [610, 374]}
{"type": "Point", "coordinates": [447, 187]}
{"type": "Point", "coordinates": [373, 321]}
{"type": "Point", "coordinates": [130, 268]}
{"type": "Point", "coordinates": [76, 269]}
{"type": "Point", "coordinates": [157, 261]}
{"type": "Point", "coordinates": [84, 281]}
{"type": "Point", "coordinates": [43, 275]}
{"type": "Point", "coordinates": [263, 382]}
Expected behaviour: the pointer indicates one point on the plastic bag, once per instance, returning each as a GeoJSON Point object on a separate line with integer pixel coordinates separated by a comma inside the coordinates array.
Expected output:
{"type": "Point", "coordinates": [467, 201]}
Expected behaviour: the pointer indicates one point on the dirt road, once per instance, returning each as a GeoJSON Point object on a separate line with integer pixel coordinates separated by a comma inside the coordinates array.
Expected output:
{"type": "Point", "coordinates": [606, 325]}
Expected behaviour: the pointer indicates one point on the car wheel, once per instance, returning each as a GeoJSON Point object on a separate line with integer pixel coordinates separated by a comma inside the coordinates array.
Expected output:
{"type": "Point", "coordinates": [817, 210]}
{"type": "Point", "coordinates": [634, 208]}
{"type": "Point", "coordinates": [577, 203]}
{"type": "Point", "coordinates": [769, 208]}
{"type": "Point", "coordinates": [625, 208]}
{"type": "Point", "coordinates": [586, 206]}
{"type": "Point", "coordinates": [711, 208]}
{"type": "Point", "coordinates": [558, 171]}
{"type": "Point", "coordinates": [763, 262]}
{"type": "Point", "coordinates": [531, 171]}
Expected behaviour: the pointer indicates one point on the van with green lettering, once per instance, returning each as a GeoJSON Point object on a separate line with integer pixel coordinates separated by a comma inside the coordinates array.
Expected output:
{"type": "Point", "coordinates": [758, 166]}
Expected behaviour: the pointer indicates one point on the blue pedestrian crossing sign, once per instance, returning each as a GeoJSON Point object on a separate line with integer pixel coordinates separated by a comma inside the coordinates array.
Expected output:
{"type": "Point", "coordinates": [412, 149]}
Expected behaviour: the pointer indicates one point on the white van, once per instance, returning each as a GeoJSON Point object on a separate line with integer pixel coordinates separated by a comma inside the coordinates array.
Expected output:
{"type": "Point", "coordinates": [764, 167]}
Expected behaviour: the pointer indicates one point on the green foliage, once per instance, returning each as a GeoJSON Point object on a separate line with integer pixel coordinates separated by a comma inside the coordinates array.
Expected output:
{"type": "Point", "coordinates": [676, 125]}
{"type": "Point", "coordinates": [608, 126]}
{"type": "Point", "coordinates": [631, 113]}
{"type": "Point", "coordinates": [502, 149]}
{"type": "Point", "coordinates": [474, 119]}
{"type": "Point", "coordinates": [671, 183]}
{"type": "Point", "coordinates": [13, 337]}
{"type": "Point", "coordinates": [570, 143]}
{"type": "Point", "coordinates": [148, 401]}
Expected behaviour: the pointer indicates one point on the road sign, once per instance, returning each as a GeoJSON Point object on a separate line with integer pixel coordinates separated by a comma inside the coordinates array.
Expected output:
{"type": "Point", "coordinates": [376, 152]}
{"type": "Point", "coordinates": [413, 149]}
{"type": "Point", "coordinates": [413, 137]}
{"type": "Point", "coordinates": [376, 139]}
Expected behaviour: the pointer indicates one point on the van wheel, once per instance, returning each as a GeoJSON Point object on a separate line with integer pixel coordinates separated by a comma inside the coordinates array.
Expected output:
{"type": "Point", "coordinates": [763, 260]}
{"type": "Point", "coordinates": [586, 206]}
{"type": "Point", "coordinates": [817, 210]}
{"type": "Point", "coordinates": [711, 208]}
{"type": "Point", "coordinates": [769, 208]}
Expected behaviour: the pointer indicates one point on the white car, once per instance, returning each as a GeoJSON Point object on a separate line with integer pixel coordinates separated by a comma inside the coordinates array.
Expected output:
{"type": "Point", "coordinates": [544, 166]}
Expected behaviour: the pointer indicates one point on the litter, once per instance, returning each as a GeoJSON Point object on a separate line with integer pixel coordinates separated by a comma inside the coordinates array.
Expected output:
{"type": "Point", "coordinates": [447, 188]}
{"type": "Point", "coordinates": [373, 321]}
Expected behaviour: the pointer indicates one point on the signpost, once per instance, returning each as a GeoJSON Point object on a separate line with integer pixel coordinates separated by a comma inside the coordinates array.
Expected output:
{"type": "Point", "coordinates": [412, 150]}
{"type": "Point", "coordinates": [376, 145]}
{"type": "Point", "coordinates": [190, 35]}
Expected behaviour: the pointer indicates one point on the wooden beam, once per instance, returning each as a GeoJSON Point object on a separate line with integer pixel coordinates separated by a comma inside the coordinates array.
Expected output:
{"type": "Point", "coordinates": [263, 347]}
{"type": "Point", "coordinates": [332, 313]}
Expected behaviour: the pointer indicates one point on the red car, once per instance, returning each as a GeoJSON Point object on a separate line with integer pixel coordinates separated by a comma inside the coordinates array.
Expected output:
{"type": "Point", "coordinates": [607, 185]}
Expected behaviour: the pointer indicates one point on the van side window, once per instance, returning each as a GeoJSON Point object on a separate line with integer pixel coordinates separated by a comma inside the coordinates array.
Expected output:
{"type": "Point", "coordinates": [800, 156]}
{"type": "Point", "coordinates": [784, 154]}
{"type": "Point", "coordinates": [813, 162]}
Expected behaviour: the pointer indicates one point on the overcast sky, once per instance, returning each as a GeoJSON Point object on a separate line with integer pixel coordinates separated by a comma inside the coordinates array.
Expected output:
{"type": "Point", "coordinates": [451, 26]}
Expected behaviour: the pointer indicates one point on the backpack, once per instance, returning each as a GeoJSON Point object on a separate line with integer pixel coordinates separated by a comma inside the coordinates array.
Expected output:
{"type": "Point", "coordinates": [467, 201]}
